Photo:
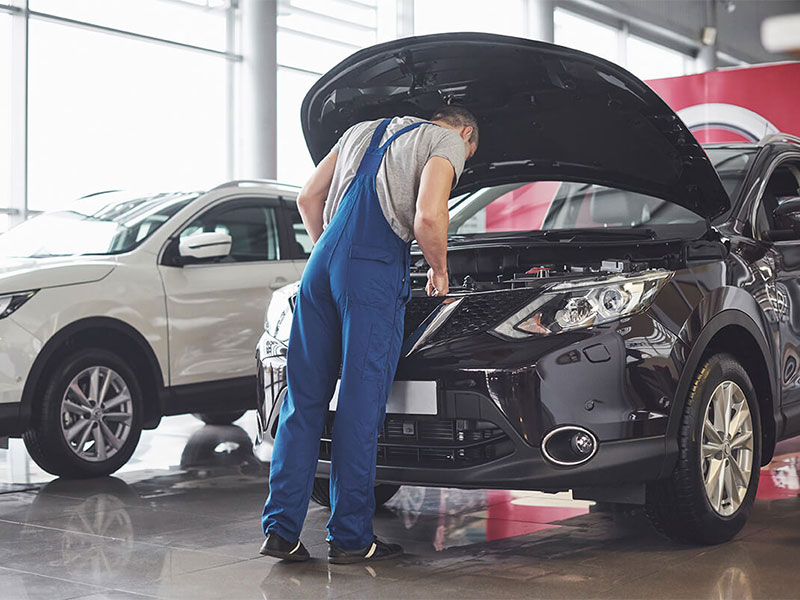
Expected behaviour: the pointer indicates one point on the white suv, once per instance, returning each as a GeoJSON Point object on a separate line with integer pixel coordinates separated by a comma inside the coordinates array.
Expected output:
{"type": "Point", "coordinates": [123, 308]}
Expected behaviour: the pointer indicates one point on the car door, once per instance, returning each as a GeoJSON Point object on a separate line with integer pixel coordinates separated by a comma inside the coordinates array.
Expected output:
{"type": "Point", "coordinates": [783, 261]}
{"type": "Point", "coordinates": [215, 307]}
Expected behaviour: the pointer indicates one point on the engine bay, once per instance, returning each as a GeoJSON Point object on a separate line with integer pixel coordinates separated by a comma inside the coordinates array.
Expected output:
{"type": "Point", "coordinates": [479, 268]}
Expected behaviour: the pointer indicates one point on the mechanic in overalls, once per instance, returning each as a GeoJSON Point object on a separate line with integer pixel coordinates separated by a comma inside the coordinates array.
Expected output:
{"type": "Point", "coordinates": [384, 184]}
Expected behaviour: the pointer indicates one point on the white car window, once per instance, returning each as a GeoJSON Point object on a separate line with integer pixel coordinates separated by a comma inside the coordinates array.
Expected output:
{"type": "Point", "coordinates": [253, 229]}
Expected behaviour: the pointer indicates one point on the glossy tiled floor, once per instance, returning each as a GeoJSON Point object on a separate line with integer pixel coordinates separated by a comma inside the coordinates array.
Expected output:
{"type": "Point", "coordinates": [181, 521]}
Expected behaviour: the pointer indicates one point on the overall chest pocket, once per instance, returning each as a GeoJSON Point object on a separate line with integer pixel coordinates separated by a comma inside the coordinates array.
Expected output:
{"type": "Point", "coordinates": [373, 275]}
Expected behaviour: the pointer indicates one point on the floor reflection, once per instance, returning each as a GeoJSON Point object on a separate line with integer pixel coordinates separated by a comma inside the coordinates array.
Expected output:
{"type": "Point", "coordinates": [182, 521]}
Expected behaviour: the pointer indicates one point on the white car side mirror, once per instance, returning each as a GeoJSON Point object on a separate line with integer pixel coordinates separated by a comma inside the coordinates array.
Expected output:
{"type": "Point", "coordinates": [205, 245]}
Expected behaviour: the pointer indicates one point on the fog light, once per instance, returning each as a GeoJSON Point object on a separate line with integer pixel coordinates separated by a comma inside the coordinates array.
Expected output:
{"type": "Point", "coordinates": [582, 443]}
{"type": "Point", "coordinates": [569, 446]}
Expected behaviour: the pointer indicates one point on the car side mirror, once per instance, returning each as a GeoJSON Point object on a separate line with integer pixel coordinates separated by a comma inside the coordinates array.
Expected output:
{"type": "Point", "coordinates": [205, 245]}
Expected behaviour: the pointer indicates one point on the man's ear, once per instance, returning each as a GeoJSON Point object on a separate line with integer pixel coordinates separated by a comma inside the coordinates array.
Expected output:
{"type": "Point", "coordinates": [466, 133]}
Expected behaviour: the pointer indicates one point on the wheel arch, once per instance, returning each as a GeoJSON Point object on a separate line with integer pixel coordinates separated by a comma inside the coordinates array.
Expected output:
{"type": "Point", "coordinates": [734, 332]}
{"type": "Point", "coordinates": [110, 334]}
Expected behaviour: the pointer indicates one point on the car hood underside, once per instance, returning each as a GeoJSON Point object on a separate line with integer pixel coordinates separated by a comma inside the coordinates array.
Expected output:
{"type": "Point", "coordinates": [545, 113]}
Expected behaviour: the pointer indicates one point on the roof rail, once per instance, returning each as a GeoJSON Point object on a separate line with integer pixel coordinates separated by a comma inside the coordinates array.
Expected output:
{"type": "Point", "coordinates": [245, 182]}
{"type": "Point", "coordinates": [779, 137]}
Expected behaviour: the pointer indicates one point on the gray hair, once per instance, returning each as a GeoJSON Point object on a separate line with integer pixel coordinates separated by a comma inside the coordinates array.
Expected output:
{"type": "Point", "coordinates": [458, 116]}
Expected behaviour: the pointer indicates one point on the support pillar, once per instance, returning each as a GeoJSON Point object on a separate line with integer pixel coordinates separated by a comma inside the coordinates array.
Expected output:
{"type": "Point", "coordinates": [538, 15]}
{"type": "Point", "coordinates": [258, 125]}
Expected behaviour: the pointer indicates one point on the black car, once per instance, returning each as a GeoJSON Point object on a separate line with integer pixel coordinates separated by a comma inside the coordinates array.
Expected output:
{"type": "Point", "coordinates": [624, 314]}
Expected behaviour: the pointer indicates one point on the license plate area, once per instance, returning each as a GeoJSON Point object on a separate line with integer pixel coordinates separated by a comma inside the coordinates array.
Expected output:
{"type": "Point", "coordinates": [405, 398]}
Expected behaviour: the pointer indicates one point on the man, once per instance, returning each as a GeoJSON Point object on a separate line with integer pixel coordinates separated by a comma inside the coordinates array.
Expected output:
{"type": "Point", "coordinates": [382, 185]}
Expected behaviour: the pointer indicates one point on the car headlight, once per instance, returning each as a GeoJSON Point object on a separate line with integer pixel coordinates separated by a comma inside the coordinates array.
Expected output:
{"type": "Point", "coordinates": [584, 303]}
{"type": "Point", "coordinates": [278, 320]}
{"type": "Point", "coordinates": [11, 302]}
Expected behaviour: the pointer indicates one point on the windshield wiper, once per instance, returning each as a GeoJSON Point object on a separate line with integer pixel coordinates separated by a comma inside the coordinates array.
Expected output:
{"type": "Point", "coordinates": [569, 235]}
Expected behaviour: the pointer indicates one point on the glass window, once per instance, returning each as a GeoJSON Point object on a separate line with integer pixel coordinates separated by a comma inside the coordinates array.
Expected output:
{"type": "Point", "coordinates": [553, 205]}
{"type": "Point", "coordinates": [108, 113]}
{"type": "Point", "coordinates": [505, 16]}
{"type": "Point", "coordinates": [783, 184]}
{"type": "Point", "coordinates": [301, 239]}
{"type": "Point", "coordinates": [108, 223]}
{"type": "Point", "coordinates": [294, 161]}
{"type": "Point", "coordinates": [198, 23]}
{"type": "Point", "coordinates": [361, 13]}
{"type": "Point", "coordinates": [732, 165]}
{"type": "Point", "coordinates": [648, 60]}
{"type": "Point", "coordinates": [313, 36]}
{"type": "Point", "coordinates": [317, 24]}
{"type": "Point", "coordinates": [253, 230]}
{"type": "Point", "coordinates": [5, 116]}
{"type": "Point", "coordinates": [586, 35]}
{"type": "Point", "coordinates": [311, 54]}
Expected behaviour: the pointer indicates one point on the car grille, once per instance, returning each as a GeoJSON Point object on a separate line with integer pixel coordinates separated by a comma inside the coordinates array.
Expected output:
{"type": "Point", "coordinates": [476, 313]}
{"type": "Point", "coordinates": [417, 311]}
{"type": "Point", "coordinates": [423, 441]}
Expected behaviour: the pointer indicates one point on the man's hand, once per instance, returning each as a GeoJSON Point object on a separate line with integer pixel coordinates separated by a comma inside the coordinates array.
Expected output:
{"type": "Point", "coordinates": [438, 283]}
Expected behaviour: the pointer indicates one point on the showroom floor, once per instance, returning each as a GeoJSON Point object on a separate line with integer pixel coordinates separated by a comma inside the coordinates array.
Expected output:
{"type": "Point", "coordinates": [182, 521]}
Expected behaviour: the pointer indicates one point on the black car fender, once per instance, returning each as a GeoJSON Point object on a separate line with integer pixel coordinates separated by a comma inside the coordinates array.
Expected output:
{"type": "Point", "coordinates": [709, 324]}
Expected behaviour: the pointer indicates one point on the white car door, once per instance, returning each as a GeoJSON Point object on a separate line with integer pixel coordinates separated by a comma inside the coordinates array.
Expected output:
{"type": "Point", "coordinates": [215, 307]}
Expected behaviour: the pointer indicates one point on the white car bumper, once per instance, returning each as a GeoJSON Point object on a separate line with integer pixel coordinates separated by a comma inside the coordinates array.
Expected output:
{"type": "Point", "coordinates": [18, 349]}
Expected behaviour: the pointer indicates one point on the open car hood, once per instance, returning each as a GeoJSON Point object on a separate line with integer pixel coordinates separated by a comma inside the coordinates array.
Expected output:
{"type": "Point", "coordinates": [545, 112]}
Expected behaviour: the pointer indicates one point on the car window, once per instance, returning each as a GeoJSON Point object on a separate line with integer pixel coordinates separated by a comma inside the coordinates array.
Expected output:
{"type": "Point", "coordinates": [253, 230]}
{"type": "Point", "coordinates": [106, 223]}
{"type": "Point", "coordinates": [300, 237]}
{"type": "Point", "coordinates": [784, 183]}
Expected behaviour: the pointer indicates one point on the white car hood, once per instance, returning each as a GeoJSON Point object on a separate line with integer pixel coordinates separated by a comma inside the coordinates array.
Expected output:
{"type": "Point", "coordinates": [24, 274]}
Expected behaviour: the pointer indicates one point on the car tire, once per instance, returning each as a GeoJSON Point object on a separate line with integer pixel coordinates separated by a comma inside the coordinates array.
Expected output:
{"type": "Point", "coordinates": [321, 493]}
{"type": "Point", "coordinates": [695, 505]}
{"type": "Point", "coordinates": [221, 418]}
{"type": "Point", "coordinates": [69, 422]}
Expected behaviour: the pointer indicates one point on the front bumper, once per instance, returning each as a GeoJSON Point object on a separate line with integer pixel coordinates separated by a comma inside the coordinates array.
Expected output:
{"type": "Point", "coordinates": [490, 421]}
{"type": "Point", "coordinates": [18, 351]}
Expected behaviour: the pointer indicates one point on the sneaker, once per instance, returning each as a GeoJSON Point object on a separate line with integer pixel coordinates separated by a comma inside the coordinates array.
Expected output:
{"type": "Point", "coordinates": [377, 550]}
{"type": "Point", "coordinates": [278, 547]}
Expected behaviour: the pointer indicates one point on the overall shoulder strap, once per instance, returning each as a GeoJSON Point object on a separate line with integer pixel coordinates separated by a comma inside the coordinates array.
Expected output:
{"type": "Point", "coordinates": [378, 135]}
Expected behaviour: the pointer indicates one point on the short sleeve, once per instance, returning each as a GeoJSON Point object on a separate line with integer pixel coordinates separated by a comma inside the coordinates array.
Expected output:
{"type": "Point", "coordinates": [449, 145]}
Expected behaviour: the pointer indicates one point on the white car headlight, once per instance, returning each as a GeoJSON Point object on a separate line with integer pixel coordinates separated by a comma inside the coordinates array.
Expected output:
{"type": "Point", "coordinates": [278, 320]}
{"type": "Point", "coordinates": [11, 302]}
{"type": "Point", "coordinates": [584, 303]}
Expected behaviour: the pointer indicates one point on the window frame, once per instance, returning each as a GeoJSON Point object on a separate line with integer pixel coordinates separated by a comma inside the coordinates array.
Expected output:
{"type": "Point", "coordinates": [288, 207]}
{"type": "Point", "coordinates": [757, 234]}
{"type": "Point", "coordinates": [169, 253]}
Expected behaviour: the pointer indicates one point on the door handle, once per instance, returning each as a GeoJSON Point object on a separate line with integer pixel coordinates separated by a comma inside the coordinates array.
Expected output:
{"type": "Point", "coordinates": [278, 283]}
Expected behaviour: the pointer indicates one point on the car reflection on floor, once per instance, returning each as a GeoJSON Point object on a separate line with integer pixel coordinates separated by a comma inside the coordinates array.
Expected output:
{"type": "Point", "coordinates": [182, 520]}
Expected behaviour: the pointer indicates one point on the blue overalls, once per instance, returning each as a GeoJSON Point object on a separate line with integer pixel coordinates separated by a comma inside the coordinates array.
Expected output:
{"type": "Point", "coordinates": [350, 309]}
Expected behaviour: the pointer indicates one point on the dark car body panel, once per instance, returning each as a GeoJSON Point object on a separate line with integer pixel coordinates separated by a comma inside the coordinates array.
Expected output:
{"type": "Point", "coordinates": [574, 116]}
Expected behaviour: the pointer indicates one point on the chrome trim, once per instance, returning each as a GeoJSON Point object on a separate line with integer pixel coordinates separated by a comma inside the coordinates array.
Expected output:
{"type": "Point", "coordinates": [562, 463]}
{"type": "Point", "coordinates": [778, 137]}
{"type": "Point", "coordinates": [433, 322]}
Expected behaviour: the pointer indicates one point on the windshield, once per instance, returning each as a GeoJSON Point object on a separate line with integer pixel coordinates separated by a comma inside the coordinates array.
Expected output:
{"type": "Point", "coordinates": [560, 205]}
{"type": "Point", "coordinates": [107, 223]}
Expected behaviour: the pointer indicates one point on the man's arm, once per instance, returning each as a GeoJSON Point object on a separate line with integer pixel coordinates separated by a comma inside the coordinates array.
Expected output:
{"type": "Point", "coordinates": [432, 219]}
{"type": "Point", "coordinates": [311, 199]}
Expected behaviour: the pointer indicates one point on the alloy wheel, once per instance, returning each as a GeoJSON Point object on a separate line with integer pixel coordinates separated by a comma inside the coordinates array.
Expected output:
{"type": "Point", "coordinates": [96, 413]}
{"type": "Point", "coordinates": [726, 457]}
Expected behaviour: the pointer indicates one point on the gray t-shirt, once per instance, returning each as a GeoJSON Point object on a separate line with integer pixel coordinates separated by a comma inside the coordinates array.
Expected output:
{"type": "Point", "coordinates": [398, 178]}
